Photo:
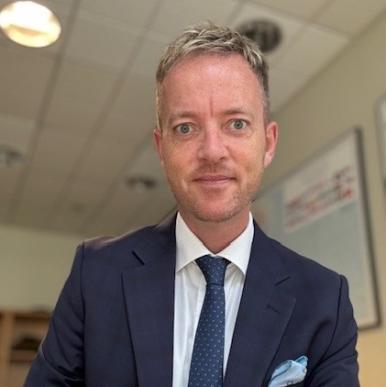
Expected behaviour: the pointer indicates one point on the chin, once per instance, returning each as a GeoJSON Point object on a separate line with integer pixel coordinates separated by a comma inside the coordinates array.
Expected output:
{"type": "Point", "coordinates": [217, 214]}
{"type": "Point", "coordinates": [213, 210]}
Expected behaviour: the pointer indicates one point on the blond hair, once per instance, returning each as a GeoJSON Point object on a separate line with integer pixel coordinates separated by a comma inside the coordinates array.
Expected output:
{"type": "Point", "coordinates": [211, 38]}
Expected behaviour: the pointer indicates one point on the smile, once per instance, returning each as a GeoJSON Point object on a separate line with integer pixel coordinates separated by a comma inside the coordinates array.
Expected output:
{"type": "Point", "coordinates": [213, 180]}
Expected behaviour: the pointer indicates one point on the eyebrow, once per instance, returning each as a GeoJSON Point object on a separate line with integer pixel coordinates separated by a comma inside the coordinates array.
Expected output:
{"type": "Point", "coordinates": [181, 114]}
{"type": "Point", "coordinates": [233, 111]}
{"type": "Point", "coordinates": [190, 113]}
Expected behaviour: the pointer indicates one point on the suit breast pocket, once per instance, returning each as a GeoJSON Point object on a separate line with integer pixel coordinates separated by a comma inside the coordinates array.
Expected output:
{"type": "Point", "coordinates": [301, 384]}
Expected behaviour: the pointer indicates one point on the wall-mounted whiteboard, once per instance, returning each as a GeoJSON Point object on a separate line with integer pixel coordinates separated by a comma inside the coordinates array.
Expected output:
{"type": "Point", "coordinates": [320, 211]}
{"type": "Point", "coordinates": [380, 110]}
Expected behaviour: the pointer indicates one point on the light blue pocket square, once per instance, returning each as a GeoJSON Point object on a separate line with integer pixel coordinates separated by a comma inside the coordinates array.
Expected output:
{"type": "Point", "coordinates": [289, 372]}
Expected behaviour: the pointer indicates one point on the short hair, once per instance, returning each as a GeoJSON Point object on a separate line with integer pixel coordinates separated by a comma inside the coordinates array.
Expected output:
{"type": "Point", "coordinates": [212, 38]}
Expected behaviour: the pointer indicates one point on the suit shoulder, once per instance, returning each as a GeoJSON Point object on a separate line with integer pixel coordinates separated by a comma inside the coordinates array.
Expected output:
{"type": "Point", "coordinates": [128, 239]}
{"type": "Point", "coordinates": [113, 249]}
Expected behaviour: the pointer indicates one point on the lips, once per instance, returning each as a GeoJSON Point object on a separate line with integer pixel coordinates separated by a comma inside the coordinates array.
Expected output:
{"type": "Point", "coordinates": [213, 180]}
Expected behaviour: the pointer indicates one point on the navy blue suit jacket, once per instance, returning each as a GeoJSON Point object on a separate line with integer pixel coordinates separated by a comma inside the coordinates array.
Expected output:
{"type": "Point", "coordinates": [113, 323]}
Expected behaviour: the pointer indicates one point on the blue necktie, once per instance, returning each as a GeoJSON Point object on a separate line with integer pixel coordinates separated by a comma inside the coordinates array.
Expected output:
{"type": "Point", "coordinates": [206, 368]}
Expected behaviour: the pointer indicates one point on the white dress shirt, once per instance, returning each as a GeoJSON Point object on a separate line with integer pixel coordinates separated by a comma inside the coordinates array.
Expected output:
{"type": "Point", "coordinates": [190, 286]}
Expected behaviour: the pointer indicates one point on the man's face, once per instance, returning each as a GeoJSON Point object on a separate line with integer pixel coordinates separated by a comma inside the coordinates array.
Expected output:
{"type": "Point", "coordinates": [214, 143]}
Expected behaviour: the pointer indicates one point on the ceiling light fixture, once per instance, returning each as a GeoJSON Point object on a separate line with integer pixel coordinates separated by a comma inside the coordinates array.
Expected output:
{"type": "Point", "coordinates": [141, 184]}
{"type": "Point", "coordinates": [29, 24]}
{"type": "Point", "coordinates": [10, 156]}
{"type": "Point", "coordinates": [265, 33]}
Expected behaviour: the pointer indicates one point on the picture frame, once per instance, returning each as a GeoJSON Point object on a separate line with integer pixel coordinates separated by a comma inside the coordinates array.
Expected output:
{"type": "Point", "coordinates": [380, 115]}
{"type": "Point", "coordinates": [320, 210]}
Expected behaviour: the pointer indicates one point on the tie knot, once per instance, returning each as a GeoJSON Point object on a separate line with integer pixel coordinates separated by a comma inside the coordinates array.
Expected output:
{"type": "Point", "coordinates": [213, 269]}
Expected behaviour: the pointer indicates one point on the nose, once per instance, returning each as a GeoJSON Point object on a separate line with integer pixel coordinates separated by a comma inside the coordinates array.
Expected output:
{"type": "Point", "coordinates": [212, 147]}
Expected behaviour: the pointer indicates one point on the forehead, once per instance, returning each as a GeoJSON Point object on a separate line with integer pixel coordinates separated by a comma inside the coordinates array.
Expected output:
{"type": "Point", "coordinates": [197, 64]}
{"type": "Point", "coordinates": [213, 79]}
{"type": "Point", "coordinates": [204, 74]}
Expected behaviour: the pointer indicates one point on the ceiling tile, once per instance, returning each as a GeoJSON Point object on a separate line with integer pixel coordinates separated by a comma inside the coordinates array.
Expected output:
{"type": "Point", "coordinates": [23, 78]}
{"type": "Point", "coordinates": [84, 84]}
{"type": "Point", "coordinates": [84, 193]}
{"type": "Point", "coordinates": [146, 61]}
{"type": "Point", "coordinates": [58, 150]}
{"type": "Point", "coordinates": [174, 16]}
{"type": "Point", "coordinates": [4, 213]}
{"type": "Point", "coordinates": [103, 226]}
{"type": "Point", "coordinates": [122, 202]}
{"type": "Point", "coordinates": [72, 116]}
{"type": "Point", "coordinates": [157, 202]}
{"type": "Point", "coordinates": [112, 217]}
{"type": "Point", "coordinates": [80, 95]}
{"type": "Point", "coordinates": [102, 41]}
{"type": "Point", "coordinates": [104, 161]}
{"type": "Point", "coordinates": [290, 26]}
{"type": "Point", "coordinates": [133, 13]}
{"type": "Point", "coordinates": [80, 202]}
{"type": "Point", "coordinates": [37, 200]}
{"type": "Point", "coordinates": [283, 85]}
{"type": "Point", "coordinates": [146, 164]}
{"type": "Point", "coordinates": [42, 189]}
{"type": "Point", "coordinates": [136, 96]}
{"type": "Point", "coordinates": [350, 16]}
{"type": "Point", "coordinates": [132, 131]}
{"type": "Point", "coordinates": [31, 216]}
{"type": "Point", "coordinates": [9, 176]}
{"type": "Point", "coordinates": [132, 116]}
{"type": "Point", "coordinates": [304, 9]}
{"type": "Point", "coordinates": [160, 203]}
{"type": "Point", "coordinates": [16, 131]}
{"type": "Point", "coordinates": [68, 221]}
{"type": "Point", "coordinates": [316, 46]}
{"type": "Point", "coordinates": [61, 7]}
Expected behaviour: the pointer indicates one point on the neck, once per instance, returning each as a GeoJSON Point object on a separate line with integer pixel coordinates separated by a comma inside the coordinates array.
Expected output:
{"type": "Point", "coordinates": [216, 236]}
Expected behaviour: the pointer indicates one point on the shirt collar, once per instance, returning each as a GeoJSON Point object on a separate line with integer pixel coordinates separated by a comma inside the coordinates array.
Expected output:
{"type": "Point", "coordinates": [189, 247]}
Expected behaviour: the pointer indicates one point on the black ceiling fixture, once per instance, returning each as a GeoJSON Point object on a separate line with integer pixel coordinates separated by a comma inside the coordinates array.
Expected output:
{"type": "Point", "coordinates": [140, 183]}
{"type": "Point", "coordinates": [10, 156]}
{"type": "Point", "coordinates": [265, 33]}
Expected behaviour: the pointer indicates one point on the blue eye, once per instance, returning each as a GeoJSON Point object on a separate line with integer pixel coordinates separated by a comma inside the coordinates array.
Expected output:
{"type": "Point", "coordinates": [183, 128]}
{"type": "Point", "coordinates": [239, 124]}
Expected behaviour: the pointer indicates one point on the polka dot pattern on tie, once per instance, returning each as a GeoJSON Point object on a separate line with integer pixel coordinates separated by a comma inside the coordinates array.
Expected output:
{"type": "Point", "coordinates": [206, 369]}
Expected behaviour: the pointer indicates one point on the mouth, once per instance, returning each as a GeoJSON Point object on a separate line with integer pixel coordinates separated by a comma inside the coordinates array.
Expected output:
{"type": "Point", "coordinates": [213, 180]}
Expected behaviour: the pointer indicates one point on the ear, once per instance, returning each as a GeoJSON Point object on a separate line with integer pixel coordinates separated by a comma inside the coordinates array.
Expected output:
{"type": "Point", "coordinates": [271, 136]}
{"type": "Point", "coordinates": [157, 136]}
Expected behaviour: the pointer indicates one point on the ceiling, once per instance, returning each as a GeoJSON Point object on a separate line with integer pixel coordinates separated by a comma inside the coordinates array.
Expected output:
{"type": "Point", "coordinates": [82, 110]}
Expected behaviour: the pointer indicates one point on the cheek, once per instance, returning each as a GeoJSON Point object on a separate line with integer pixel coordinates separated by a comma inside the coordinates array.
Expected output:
{"type": "Point", "coordinates": [175, 163]}
{"type": "Point", "coordinates": [253, 157]}
{"type": "Point", "coordinates": [181, 152]}
{"type": "Point", "coordinates": [250, 166]}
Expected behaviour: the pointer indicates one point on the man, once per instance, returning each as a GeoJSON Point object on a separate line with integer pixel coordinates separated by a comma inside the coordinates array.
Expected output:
{"type": "Point", "coordinates": [205, 299]}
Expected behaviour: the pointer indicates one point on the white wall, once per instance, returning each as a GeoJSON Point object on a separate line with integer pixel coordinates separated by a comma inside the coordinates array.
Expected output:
{"type": "Point", "coordinates": [339, 98]}
{"type": "Point", "coordinates": [33, 266]}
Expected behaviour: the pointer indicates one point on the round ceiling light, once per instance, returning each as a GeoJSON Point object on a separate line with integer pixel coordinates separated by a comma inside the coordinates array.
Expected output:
{"type": "Point", "coordinates": [29, 24]}
{"type": "Point", "coordinates": [265, 33]}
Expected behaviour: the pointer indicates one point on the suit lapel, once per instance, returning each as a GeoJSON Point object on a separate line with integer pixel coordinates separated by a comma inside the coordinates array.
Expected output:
{"type": "Point", "coordinates": [264, 312]}
{"type": "Point", "coordinates": [149, 295]}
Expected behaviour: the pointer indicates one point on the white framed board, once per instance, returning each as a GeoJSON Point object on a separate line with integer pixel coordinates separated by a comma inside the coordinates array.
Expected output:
{"type": "Point", "coordinates": [380, 111]}
{"type": "Point", "coordinates": [320, 211]}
